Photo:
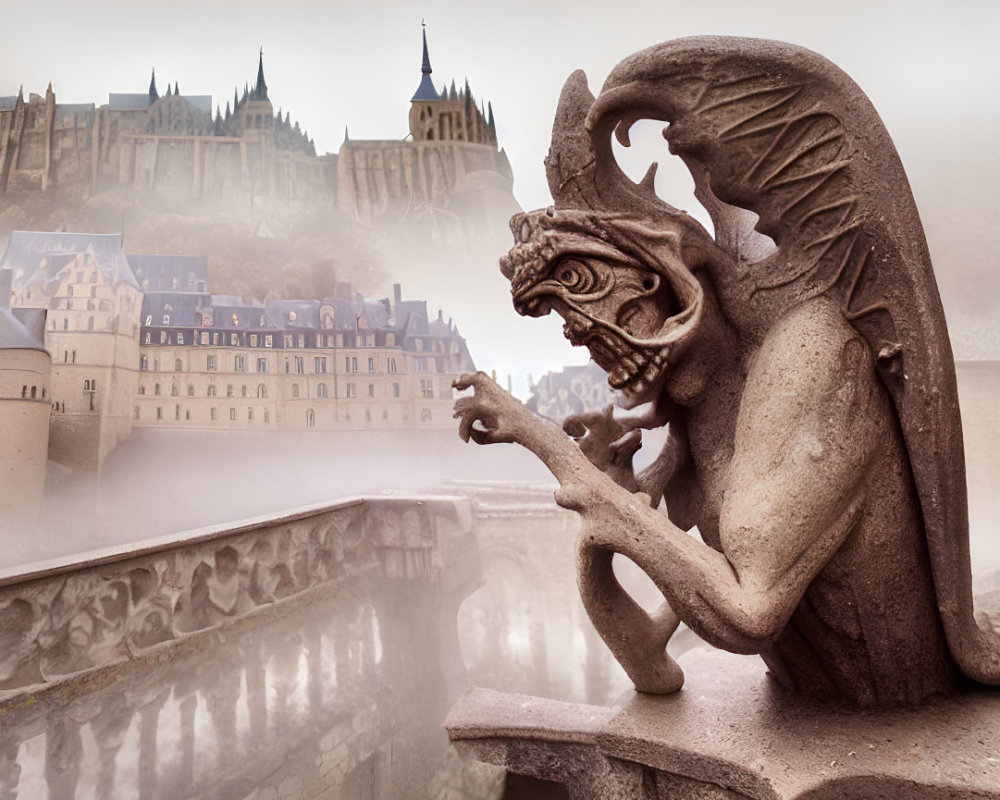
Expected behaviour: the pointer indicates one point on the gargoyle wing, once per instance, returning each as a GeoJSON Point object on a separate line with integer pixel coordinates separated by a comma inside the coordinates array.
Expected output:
{"type": "Point", "coordinates": [780, 131]}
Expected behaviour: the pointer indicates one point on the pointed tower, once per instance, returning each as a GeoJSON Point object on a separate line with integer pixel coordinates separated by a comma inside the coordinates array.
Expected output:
{"type": "Point", "coordinates": [425, 103]}
{"type": "Point", "coordinates": [260, 88]}
{"type": "Point", "coordinates": [255, 124]}
{"type": "Point", "coordinates": [153, 94]}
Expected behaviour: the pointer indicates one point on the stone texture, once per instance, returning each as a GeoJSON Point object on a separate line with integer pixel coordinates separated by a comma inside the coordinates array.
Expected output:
{"type": "Point", "coordinates": [732, 733]}
{"type": "Point", "coordinates": [800, 361]}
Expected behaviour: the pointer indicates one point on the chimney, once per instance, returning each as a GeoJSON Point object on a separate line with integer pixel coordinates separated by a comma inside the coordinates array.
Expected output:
{"type": "Point", "coordinates": [440, 315]}
{"type": "Point", "coordinates": [397, 294]}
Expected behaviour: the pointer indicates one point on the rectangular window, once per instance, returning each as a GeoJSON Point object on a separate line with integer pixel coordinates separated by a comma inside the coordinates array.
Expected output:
{"type": "Point", "coordinates": [371, 389]}
{"type": "Point", "coordinates": [261, 365]}
{"type": "Point", "coordinates": [302, 340]}
{"type": "Point", "coordinates": [354, 364]}
{"type": "Point", "coordinates": [159, 412]}
{"type": "Point", "coordinates": [204, 337]}
{"type": "Point", "coordinates": [143, 363]}
{"type": "Point", "coordinates": [180, 337]}
{"type": "Point", "coordinates": [239, 363]}
{"type": "Point", "coordinates": [234, 339]}
{"type": "Point", "coordinates": [146, 339]}
{"type": "Point", "coordinates": [320, 363]}
{"type": "Point", "coordinates": [288, 340]}
{"type": "Point", "coordinates": [295, 390]}
{"type": "Point", "coordinates": [300, 365]}
{"type": "Point", "coordinates": [269, 341]}
{"type": "Point", "coordinates": [249, 415]}
{"type": "Point", "coordinates": [420, 364]}
{"type": "Point", "coordinates": [213, 414]}
{"type": "Point", "coordinates": [163, 337]}
{"type": "Point", "coordinates": [371, 363]}
{"type": "Point", "coordinates": [390, 364]}
{"type": "Point", "coordinates": [232, 415]}
{"type": "Point", "coordinates": [210, 363]}
{"type": "Point", "coordinates": [350, 390]}
{"type": "Point", "coordinates": [215, 337]}
{"type": "Point", "coordinates": [395, 390]}
{"type": "Point", "coordinates": [426, 388]}
{"type": "Point", "coordinates": [253, 339]}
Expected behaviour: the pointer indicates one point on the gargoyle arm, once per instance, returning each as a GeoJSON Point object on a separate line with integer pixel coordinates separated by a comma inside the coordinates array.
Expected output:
{"type": "Point", "coordinates": [812, 420]}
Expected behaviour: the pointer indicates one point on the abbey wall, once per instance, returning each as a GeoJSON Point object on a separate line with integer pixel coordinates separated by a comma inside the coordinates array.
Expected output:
{"type": "Point", "coordinates": [241, 161]}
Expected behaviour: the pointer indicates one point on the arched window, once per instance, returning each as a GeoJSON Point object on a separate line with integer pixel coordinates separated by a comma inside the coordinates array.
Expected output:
{"type": "Point", "coordinates": [232, 414]}
{"type": "Point", "coordinates": [90, 323]}
{"type": "Point", "coordinates": [156, 389]}
{"type": "Point", "coordinates": [229, 390]}
{"type": "Point", "coordinates": [212, 390]}
{"type": "Point", "coordinates": [24, 391]}
{"type": "Point", "coordinates": [178, 366]}
{"type": "Point", "coordinates": [174, 391]}
{"type": "Point", "coordinates": [310, 418]}
{"type": "Point", "coordinates": [261, 390]}
{"type": "Point", "coordinates": [425, 415]}
{"type": "Point", "coordinates": [321, 391]}
{"type": "Point", "coordinates": [34, 392]}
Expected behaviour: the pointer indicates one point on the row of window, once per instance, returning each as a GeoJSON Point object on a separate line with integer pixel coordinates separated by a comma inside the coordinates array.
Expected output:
{"type": "Point", "coordinates": [298, 362]}
{"type": "Point", "coordinates": [310, 415]}
{"type": "Point", "coordinates": [32, 392]}
{"type": "Point", "coordinates": [289, 341]}
{"type": "Point", "coordinates": [426, 390]}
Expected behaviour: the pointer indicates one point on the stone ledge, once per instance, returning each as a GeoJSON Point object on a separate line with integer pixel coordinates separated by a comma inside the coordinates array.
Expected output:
{"type": "Point", "coordinates": [732, 734]}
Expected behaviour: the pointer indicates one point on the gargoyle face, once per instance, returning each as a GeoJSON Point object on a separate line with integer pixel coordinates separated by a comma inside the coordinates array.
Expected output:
{"type": "Point", "coordinates": [620, 285]}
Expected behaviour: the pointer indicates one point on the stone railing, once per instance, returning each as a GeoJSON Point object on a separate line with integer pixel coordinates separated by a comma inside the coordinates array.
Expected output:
{"type": "Point", "coordinates": [67, 618]}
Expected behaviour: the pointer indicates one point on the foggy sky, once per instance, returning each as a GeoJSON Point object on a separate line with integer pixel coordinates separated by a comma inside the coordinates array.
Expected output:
{"type": "Point", "coordinates": [335, 64]}
{"type": "Point", "coordinates": [930, 68]}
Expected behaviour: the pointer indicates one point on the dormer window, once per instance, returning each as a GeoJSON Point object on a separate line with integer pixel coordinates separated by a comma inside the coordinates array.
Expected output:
{"type": "Point", "coordinates": [166, 319]}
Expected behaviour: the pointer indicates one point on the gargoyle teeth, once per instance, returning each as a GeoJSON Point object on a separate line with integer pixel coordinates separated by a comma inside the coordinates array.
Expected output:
{"type": "Point", "coordinates": [651, 373]}
{"type": "Point", "coordinates": [619, 377]}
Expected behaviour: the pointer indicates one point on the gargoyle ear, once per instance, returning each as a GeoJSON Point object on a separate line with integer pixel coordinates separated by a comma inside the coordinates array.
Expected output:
{"type": "Point", "coordinates": [569, 165]}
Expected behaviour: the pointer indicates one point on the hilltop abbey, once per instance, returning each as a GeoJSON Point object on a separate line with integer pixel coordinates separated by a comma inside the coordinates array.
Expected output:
{"type": "Point", "coordinates": [247, 158]}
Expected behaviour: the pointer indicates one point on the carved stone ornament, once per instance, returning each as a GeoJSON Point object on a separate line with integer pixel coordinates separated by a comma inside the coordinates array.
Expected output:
{"type": "Point", "coordinates": [799, 358]}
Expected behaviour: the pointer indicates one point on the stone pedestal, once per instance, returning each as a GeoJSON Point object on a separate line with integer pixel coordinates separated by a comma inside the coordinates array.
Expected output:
{"type": "Point", "coordinates": [730, 733]}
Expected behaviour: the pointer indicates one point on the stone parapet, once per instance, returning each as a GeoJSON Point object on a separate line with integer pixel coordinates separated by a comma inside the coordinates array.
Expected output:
{"type": "Point", "coordinates": [91, 613]}
{"type": "Point", "coordinates": [731, 733]}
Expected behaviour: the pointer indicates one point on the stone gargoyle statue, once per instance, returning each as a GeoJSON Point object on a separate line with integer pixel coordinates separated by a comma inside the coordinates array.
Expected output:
{"type": "Point", "coordinates": [800, 359]}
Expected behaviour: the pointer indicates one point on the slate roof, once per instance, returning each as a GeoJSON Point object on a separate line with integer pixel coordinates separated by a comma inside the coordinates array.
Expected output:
{"type": "Point", "coordinates": [181, 307]}
{"type": "Point", "coordinates": [165, 273]}
{"type": "Point", "coordinates": [7, 103]}
{"type": "Point", "coordinates": [26, 250]}
{"type": "Point", "coordinates": [14, 335]}
{"type": "Point", "coordinates": [121, 101]}
{"type": "Point", "coordinates": [425, 91]}
{"type": "Point", "coordinates": [305, 312]}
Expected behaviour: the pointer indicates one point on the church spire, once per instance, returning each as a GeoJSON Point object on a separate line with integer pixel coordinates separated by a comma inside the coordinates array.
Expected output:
{"type": "Point", "coordinates": [153, 94]}
{"type": "Point", "coordinates": [426, 90]}
{"type": "Point", "coordinates": [425, 67]}
{"type": "Point", "coordinates": [260, 88]}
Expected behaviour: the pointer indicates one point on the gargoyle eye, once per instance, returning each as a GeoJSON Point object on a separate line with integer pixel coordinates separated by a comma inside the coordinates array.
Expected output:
{"type": "Point", "coordinates": [576, 277]}
{"type": "Point", "coordinates": [525, 231]}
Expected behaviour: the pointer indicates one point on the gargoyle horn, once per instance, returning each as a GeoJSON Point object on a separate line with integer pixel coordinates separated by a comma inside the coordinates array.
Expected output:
{"type": "Point", "coordinates": [581, 166]}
